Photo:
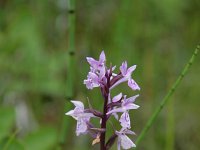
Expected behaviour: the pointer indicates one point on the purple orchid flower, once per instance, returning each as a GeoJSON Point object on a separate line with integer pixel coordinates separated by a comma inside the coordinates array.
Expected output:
{"type": "Point", "coordinates": [125, 120]}
{"type": "Point", "coordinates": [123, 140]}
{"type": "Point", "coordinates": [115, 99]}
{"type": "Point", "coordinates": [97, 71]}
{"type": "Point", "coordinates": [133, 85]}
{"type": "Point", "coordinates": [92, 81]}
{"type": "Point", "coordinates": [126, 76]}
{"type": "Point", "coordinates": [81, 117]}
{"type": "Point", "coordinates": [127, 104]}
{"type": "Point", "coordinates": [97, 64]}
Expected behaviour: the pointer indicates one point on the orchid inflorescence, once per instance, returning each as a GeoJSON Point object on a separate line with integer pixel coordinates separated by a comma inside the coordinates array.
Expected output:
{"type": "Point", "coordinates": [104, 78]}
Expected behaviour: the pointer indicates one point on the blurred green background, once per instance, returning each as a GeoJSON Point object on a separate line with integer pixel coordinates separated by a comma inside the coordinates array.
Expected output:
{"type": "Point", "coordinates": [158, 36]}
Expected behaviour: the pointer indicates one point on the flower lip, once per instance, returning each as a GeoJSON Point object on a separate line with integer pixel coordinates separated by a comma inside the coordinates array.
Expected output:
{"type": "Point", "coordinates": [125, 120]}
{"type": "Point", "coordinates": [123, 140]}
{"type": "Point", "coordinates": [81, 117]}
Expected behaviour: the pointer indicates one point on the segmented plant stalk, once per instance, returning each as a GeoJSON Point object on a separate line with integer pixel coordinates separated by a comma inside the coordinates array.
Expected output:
{"type": "Point", "coordinates": [169, 117]}
{"type": "Point", "coordinates": [167, 97]}
{"type": "Point", "coordinates": [170, 126]}
{"type": "Point", "coordinates": [70, 65]}
{"type": "Point", "coordinates": [71, 49]}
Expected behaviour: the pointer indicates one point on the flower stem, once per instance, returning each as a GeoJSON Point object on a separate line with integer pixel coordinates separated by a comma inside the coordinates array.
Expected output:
{"type": "Point", "coordinates": [103, 126]}
{"type": "Point", "coordinates": [167, 97]}
{"type": "Point", "coordinates": [105, 93]}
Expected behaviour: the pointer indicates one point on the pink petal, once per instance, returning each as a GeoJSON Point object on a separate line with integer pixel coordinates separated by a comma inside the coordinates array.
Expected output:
{"type": "Point", "coordinates": [88, 83]}
{"type": "Point", "coordinates": [126, 142]}
{"type": "Point", "coordinates": [126, 131]}
{"type": "Point", "coordinates": [130, 70]}
{"type": "Point", "coordinates": [93, 76]}
{"type": "Point", "coordinates": [125, 120]}
{"type": "Point", "coordinates": [131, 106]}
{"type": "Point", "coordinates": [92, 61]}
{"type": "Point", "coordinates": [78, 104]}
{"type": "Point", "coordinates": [113, 68]}
{"type": "Point", "coordinates": [70, 113]}
{"type": "Point", "coordinates": [123, 68]}
{"type": "Point", "coordinates": [118, 144]}
{"type": "Point", "coordinates": [102, 57]}
{"type": "Point", "coordinates": [117, 97]}
{"type": "Point", "coordinates": [102, 72]}
{"type": "Point", "coordinates": [81, 127]}
{"type": "Point", "coordinates": [133, 85]}
{"type": "Point", "coordinates": [115, 116]}
{"type": "Point", "coordinates": [130, 99]}
{"type": "Point", "coordinates": [115, 111]}
{"type": "Point", "coordinates": [124, 79]}
{"type": "Point", "coordinates": [87, 116]}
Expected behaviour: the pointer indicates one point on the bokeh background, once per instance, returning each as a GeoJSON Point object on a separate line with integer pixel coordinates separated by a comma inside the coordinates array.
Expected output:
{"type": "Point", "coordinates": [158, 36]}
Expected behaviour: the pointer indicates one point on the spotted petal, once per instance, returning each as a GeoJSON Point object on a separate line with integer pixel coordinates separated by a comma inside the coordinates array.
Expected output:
{"type": "Point", "coordinates": [117, 97]}
{"type": "Point", "coordinates": [81, 127]}
{"type": "Point", "coordinates": [133, 85]}
{"type": "Point", "coordinates": [126, 142]}
{"type": "Point", "coordinates": [125, 120]}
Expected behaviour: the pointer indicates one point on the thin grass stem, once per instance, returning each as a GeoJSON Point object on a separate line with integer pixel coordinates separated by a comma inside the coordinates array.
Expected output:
{"type": "Point", "coordinates": [11, 138]}
{"type": "Point", "coordinates": [167, 97]}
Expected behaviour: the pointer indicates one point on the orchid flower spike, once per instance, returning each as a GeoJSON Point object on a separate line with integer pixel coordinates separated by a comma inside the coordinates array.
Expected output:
{"type": "Point", "coordinates": [106, 79]}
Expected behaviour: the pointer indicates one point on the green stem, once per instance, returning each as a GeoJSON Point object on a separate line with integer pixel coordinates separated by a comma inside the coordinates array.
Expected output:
{"type": "Point", "coordinates": [167, 97]}
{"type": "Point", "coordinates": [170, 126]}
{"type": "Point", "coordinates": [70, 67]}
{"type": "Point", "coordinates": [10, 140]}
{"type": "Point", "coordinates": [71, 49]}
